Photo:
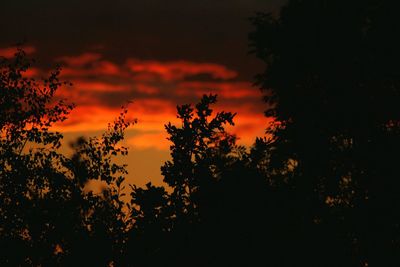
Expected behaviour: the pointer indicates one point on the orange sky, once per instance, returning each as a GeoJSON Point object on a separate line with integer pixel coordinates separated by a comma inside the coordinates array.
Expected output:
{"type": "Point", "coordinates": [158, 54]}
{"type": "Point", "coordinates": [101, 87]}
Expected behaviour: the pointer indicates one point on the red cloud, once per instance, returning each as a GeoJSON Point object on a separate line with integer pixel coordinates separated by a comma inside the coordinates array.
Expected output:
{"type": "Point", "coordinates": [88, 64]}
{"type": "Point", "coordinates": [248, 126]}
{"type": "Point", "coordinates": [9, 52]}
{"type": "Point", "coordinates": [108, 68]}
{"type": "Point", "coordinates": [88, 85]}
{"type": "Point", "coordinates": [147, 89]}
{"type": "Point", "coordinates": [94, 69]}
{"type": "Point", "coordinates": [85, 118]}
{"type": "Point", "coordinates": [81, 60]}
{"type": "Point", "coordinates": [223, 89]}
{"type": "Point", "coordinates": [177, 70]}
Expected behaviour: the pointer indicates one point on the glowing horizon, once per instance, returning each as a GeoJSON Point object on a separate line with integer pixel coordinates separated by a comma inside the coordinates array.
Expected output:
{"type": "Point", "coordinates": [101, 86]}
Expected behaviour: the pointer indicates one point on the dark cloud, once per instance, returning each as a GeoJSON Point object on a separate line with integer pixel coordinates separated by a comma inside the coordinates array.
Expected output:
{"type": "Point", "coordinates": [209, 30]}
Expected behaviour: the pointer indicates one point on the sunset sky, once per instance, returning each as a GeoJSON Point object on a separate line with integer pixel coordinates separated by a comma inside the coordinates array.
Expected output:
{"type": "Point", "coordinates": [156, 53]}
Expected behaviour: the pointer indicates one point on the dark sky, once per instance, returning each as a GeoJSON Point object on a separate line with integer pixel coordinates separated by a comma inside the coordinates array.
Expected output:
{"type": "Point", "coordinates": [208, 30]}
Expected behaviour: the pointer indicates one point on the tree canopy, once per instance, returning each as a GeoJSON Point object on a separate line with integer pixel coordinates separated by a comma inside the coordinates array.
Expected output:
{"type": "Point", "coordinates": [332, 82]}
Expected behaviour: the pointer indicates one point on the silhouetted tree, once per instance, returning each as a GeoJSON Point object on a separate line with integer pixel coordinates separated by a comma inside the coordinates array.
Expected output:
{"type": "Point", "coordinates": [201, 149]}
{"type": "Point", "coordinates": [332, 83]}
{"type": "Point", "coordinates": [220, 207]}
{"type": "Point", "coordinates": [46, 216]}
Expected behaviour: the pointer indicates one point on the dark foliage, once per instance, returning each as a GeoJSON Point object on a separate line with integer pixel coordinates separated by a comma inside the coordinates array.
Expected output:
{"type": "Point", "coordinates": [46, 217]}
{"type": "Point", "coordinates": [332, 82]}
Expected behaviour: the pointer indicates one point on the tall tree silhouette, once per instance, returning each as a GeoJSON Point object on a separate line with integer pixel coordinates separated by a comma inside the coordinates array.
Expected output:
{"type": "Point", "coordinates": [201, 150]}
{"type": "Point", "coordinates": [332, 83]}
